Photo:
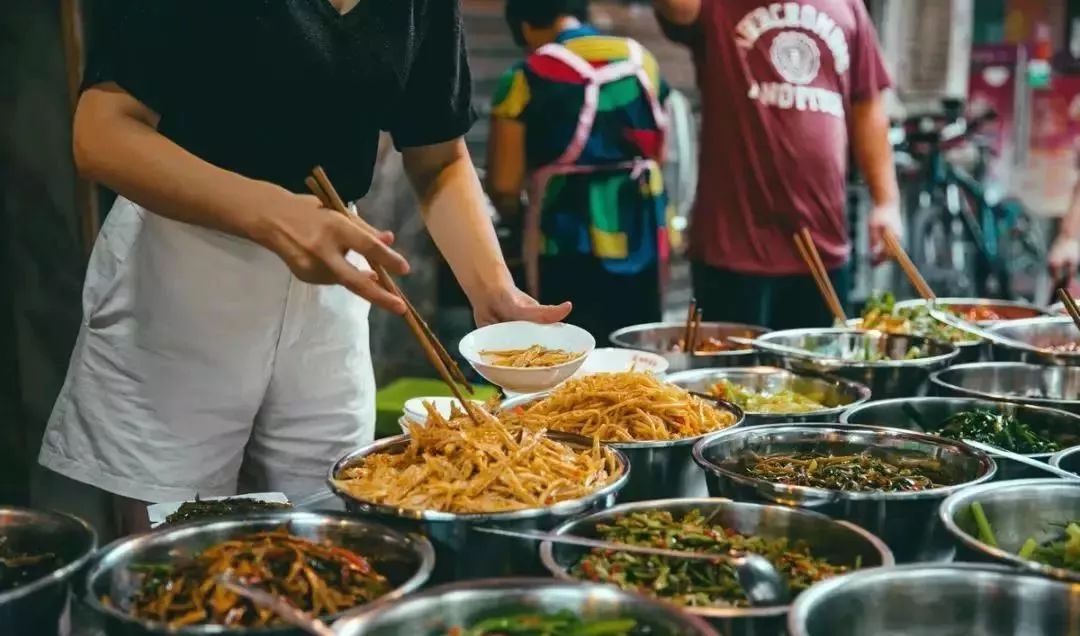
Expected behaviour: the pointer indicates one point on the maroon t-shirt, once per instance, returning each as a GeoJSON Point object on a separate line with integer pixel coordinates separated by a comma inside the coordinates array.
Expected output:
{"type": "Point", "coordinates": [777, 81]}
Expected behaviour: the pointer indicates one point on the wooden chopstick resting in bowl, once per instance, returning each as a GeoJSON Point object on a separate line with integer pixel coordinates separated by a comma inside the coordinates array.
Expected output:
{"type": "Point", "coordinates": [892, 244]}
{"type": "Point", "coordinates": [1070, 305]}
{"type": "Point", "coordinates": [808, 250]}
{"type": "Point", "coordinates": [447, 368]}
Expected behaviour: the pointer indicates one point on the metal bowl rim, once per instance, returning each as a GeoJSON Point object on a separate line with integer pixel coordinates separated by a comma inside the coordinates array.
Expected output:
{"type": "Point", "coordinates": [516, 585]}
{"type": "Point", "coordinates": [740, 419]}
{"type": "Point", "coordinates": [618, 333]}
{"type": "Point", "coordinates": [837, 363]}
{"type": "Point", "coordinates": [1042, 320]}
{"type": "Point", "coordinates": [1042, 312]}
{"type": "Point", "coordinates": [60, 574]}
{"type": "Point", "coordinates": [547, 556]}
{"type": "Point", "coordinates": [1062, 455]}
{"type": "Point", "coordinates": [422, 547]}
{"type": "Point", "coordinates": [844, 419]}
{"type": "Point", "coordinates": [823, 428]}
{"type": "Point", "coordinates": [569, 506]}
{"type": "Point", "coordinates": [936, 379]}
{"type": "Point", "coordinates": [955, 502]}
{"type": "Point", "coordinates": [817, 593]}
{"type": "Point", "coordinates": [861, 390]}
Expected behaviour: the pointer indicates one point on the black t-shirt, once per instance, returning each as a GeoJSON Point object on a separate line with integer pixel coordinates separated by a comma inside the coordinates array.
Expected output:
{"type": "Point", "coordinates": [271, 88]}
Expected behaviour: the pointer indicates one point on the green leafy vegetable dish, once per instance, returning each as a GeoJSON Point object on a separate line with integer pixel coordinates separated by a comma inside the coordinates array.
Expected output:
{"type": "Point", "coordinates": [784, 401]}
{"type": "Point", "coordinates": [216, 508]}
{"type": "Point", "coordinates": [997, 429]}
{"type": "Point", "coordinates": [859, 472]}
{"type": "Point", "coordinates": [694, 583]}
{"type": "Point", "coordinates": [562, 623]}
{"type": "Point", "coordinates": [1061, 552]}
{"type": "Point", "coordinates": [881, 314]}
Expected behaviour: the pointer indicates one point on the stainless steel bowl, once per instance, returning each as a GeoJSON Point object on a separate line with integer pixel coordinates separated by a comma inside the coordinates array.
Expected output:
{"type": "Point", "coordinates": [435, 612]}
{"type": "Point", "coordinates": [970, 350]}
{"type": "Point", "coordinates": [406, 561]}
{"type": "Point", "coordinates": [937, 600]}
{"type": "Point", "coordinates": [1007, 309]}
{"type": "Point", "coordinates": [837, 541]}
{"type": "Point", "coordinates": [1038, 332]}
{"type": "Point", "coordinates": [41, 606]}
{"type": "Point", "coordinates": [661, 338]}
{"type": "Point", "coordinates": [1068, 459]}
{"type": "Point", "coordinates": [1017, 511]}
{"type": "Point", "coordinates": [907, 521]}
{"type": "Point", "coordinates": [462, 552]}
{"type": "Point", "coordinates": [835, 393]}
{"type": "Point", "coordinates": [660, 470]}
{"type": "Point", "coordinates": [912, 414]}
{"type": "Point", "coordinates": [1039, 385]}
{"type": "Point", "coordinates": [840, 347]}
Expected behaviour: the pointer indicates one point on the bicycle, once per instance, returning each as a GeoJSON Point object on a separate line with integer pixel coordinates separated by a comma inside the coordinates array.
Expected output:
{"type": "Point", "coordinates": [966, 237]}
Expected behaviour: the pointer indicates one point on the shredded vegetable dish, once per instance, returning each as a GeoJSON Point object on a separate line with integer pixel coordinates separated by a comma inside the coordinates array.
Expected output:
{"type": "Point", "coordinates": [624, 407]}
{"type": "Point", "coordinates": [530, 358]}
{"type": "Point", "coordinates": [710, 345]}
{"type": "Point", "coordinates": [997, 429]}
{"type": "Point", "coordinates": [563, 623]}
{"type": "Point", "coordinates": [784, 401]}
{"type": "Point", "coordinates": [18, 568]}
{"type": "Point", "coordinates": [860, 472]}
{"type": "Point", "coordinates": [881, 314]}
{"type": "Point", "coordinates": [454, 465]}
{"type": "Point", "coordinates": [213, 509]}
{"type": "Point", "coordinates": [318, 578]}
{"type": "Point", "coordinates": [1061, 552]}
{"type": "Point", "coordinates": [694, 583]}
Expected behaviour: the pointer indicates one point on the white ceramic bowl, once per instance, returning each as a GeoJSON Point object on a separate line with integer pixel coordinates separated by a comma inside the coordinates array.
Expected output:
{"type": "Point", "coordinates": [415, 411]}
{"type": "Point", "coordinates": [619, 360]}
{"type": "Point", "coordinates": [521, 335]}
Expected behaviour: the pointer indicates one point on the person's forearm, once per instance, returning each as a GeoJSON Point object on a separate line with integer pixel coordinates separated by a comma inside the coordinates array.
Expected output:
{"type": "Point", "coordinates": [454, 210]}
{"type": "Point", "coordinates": [873, 152]}
{"type": "Point", "coordinates": [1070, 223]}
{"type": "Point", "coordinates": [116, 144]}
{"type": "Point", "coordinates": [679, 12]}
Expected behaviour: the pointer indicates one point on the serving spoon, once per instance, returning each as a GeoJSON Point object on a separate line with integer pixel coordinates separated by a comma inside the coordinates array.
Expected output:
{"type": "Point", "coordinates": [1016, 457]}
{"type": "Point", "coordinates": [762, 584]}
{"type": "Point", "coordinates": [285, 610]}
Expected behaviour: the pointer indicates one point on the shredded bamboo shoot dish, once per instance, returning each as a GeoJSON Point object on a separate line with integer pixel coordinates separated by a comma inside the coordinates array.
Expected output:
{"type": "Point", "coordinates": [318, 578]}
{"type": "Point", "coordinates": [459, 467]}
{"type": "Point", "coordinates": [624, 407]}
{"type": "Point", "coordinates": [531, 358]}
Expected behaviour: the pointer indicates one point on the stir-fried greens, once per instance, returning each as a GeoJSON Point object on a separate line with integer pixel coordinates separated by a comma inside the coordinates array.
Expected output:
{"type": "Point", "coordinates": [860, 472]}
{"type": "Point", "coordinates": [18, 569]}
{"type": "Point", "coordinates": [318, 578]}
{"type": "Point", "coordinates": [694, 583]}
{"type": "Point", "coordinates": [1062, 552]}
{"type": "Point", "coordinates": [784, 401]}
{"type": "Point", "coordinates": [561, 623]}
{"type": "Point", "coordinates": [215, 508]}
{"type": "Point", "coordinates": [881, 314]}
{"type": "Point", "coordinates": [997, 429]}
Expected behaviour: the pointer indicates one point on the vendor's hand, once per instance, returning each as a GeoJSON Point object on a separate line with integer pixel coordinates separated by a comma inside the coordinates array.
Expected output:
{"type": "Point", "coordinates": [1063, 258]}
{"type": "Point", "coordinates": [314, 242]}
{"type": "Point", "coordinates": [883, 218]}
{"type": "Point", "coordinates": [510, 303]}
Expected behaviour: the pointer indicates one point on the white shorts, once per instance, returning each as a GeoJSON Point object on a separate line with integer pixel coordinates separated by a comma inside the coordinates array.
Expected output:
{"type": "Point", "coordinates": [200, 353]}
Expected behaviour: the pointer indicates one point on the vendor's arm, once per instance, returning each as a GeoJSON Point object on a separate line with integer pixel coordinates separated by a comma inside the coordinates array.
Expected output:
{"type": "Point", "coordinates": [1065, 251]}
{"type": "Point", "coordinates": [873, 152]}
{"type": "Point", "coordinates": [454, 210]}
{"type": "Point", "coordinates": [116, 143]}
{"type": "Point", "coordinates": [506, 164]}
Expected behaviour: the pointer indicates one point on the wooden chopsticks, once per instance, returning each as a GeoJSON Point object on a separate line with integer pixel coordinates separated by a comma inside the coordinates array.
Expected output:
{"type": "Point", "coordinates": [892, 244]}
{"type": "Point", "coordinates": [447, 368]}
{"type": "Point", "coordinates": [693, 322]}
{"type": "Point", "coordinates": [1070, 305]}
{"type": "Point", "coordinates": [808, 250]}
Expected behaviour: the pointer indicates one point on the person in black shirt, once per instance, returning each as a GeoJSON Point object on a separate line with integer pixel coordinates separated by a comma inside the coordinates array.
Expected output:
{"type": "Point", "coordinates": [224, 343]}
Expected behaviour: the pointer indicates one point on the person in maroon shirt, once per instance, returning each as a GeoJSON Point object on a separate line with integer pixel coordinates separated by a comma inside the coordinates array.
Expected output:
{"type": "Point", "coordinates": [785, 87]}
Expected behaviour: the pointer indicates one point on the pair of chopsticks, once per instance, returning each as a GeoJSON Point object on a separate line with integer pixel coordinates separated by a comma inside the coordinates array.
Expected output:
{"type": "Point", "coordinates": [809, 252]}
{"type": "Point", "coordinates": [1070, 305]}
{"type": "Point", "coordinates": [447, 368]}
{"type": "Point", "coordinates": [892, 245]}
{"type": "Point", "coordinates": [693, 326]}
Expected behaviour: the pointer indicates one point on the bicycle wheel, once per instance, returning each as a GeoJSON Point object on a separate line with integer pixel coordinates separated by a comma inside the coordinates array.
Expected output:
{"type": "Point", "coordinates": [942, 251]}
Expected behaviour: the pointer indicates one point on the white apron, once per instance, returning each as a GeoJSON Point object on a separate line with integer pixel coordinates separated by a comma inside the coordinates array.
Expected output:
{"type": "Point", "coordinates": [200, 352]}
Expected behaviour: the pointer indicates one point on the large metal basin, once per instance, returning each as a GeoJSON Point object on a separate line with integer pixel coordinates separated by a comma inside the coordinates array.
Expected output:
{"type": "Point", "coordinates": [661, 338]}
{"type": "Point", "coordinates": [906, 521]}
{"type": "Point", "coordinates": [438, 611]}
{"type": "Point", "coordinates": [1037, 332]}
{"type": "Point", "coordinates": [836, 352]}
{"type": "Point", "coordinates": [937, 600]}
{"type": "Point", "coordinates": [1052, 386]}
{"type": "Point", "coordinates": [41, 606]}
{"type": "Point", "coordinates": [462, 552]}
{"type": "Point", "coordinates": [839, 542]}
{"type": "Point", "coordinates": [1061, 426]}
{"type": "Point", "coordinates": [1007, 309]}
{"type": "Point", "coordinates": [836, 394]}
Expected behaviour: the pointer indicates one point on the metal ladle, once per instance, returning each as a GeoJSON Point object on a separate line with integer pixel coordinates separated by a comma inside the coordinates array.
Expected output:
{"type": "Point", "coordinates": [762, 584]}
